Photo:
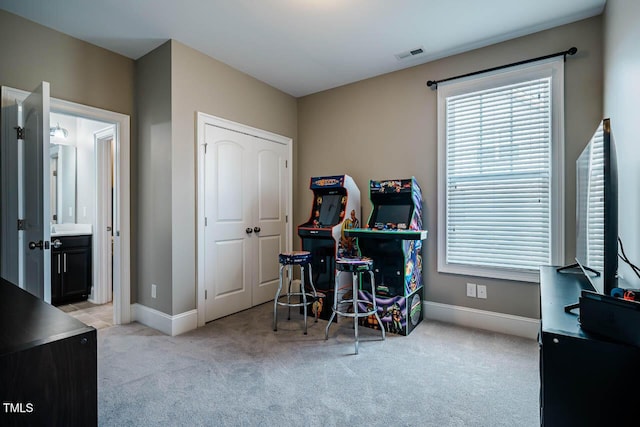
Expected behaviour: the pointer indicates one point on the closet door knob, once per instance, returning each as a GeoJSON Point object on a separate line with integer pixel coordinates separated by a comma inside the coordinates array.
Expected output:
{"type": "Point", "coordinates": [249, 230]}
{"type": "Point", "coordinates": [256, 229]}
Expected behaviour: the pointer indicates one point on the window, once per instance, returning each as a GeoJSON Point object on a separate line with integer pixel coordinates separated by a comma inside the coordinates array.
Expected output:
{"type": "Point", "coordinates": [500, 169]}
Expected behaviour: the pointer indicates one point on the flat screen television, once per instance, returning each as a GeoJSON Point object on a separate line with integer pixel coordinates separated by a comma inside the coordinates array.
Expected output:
{"type": "Point", "coordinates": [597, 210]}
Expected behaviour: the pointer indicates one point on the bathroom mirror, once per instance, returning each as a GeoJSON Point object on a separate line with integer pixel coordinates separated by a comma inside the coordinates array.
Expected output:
{"type": "Point", "coordinates": [63, 184]}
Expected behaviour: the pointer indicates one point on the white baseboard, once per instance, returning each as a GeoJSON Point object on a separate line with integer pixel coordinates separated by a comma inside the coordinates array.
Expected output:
{"type": "Point", "coordinates": [168, 324]}
{"type": "Point", "coordinates": [470, 317]}
{"type": "Point", "coordinates": [463, 316]}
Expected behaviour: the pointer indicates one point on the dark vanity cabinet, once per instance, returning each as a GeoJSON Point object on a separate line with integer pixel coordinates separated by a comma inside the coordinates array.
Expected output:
{"type": "Point", "coordinates": [71, 276]}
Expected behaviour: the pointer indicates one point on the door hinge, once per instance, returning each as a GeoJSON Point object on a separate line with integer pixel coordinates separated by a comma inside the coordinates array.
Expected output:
{"type": "Point", "coordinates": [286, 218]}
{"type": "Point", "coordinates": [19, 132]}
{"type": "Point", "coordinates": [205, 294]}
{"type": "Point", "coordinates": [54, 173]}
{"type": "Point", "coordinates": [286, 164]}
{"type": "Point", "coordinates": [205, 221]}
{"type": "Point", "coordinates": [21, 224]}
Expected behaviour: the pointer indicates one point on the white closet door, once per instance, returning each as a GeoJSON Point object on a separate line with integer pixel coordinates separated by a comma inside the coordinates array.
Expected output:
{"type": "Point", "coordinates": [270, 214]}
{"type": "Point", "coordinates": [229, 195]}
{"type": "Point", "coordinates": [245, 207]}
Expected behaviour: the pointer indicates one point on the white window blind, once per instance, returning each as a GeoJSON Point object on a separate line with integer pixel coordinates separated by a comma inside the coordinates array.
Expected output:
{"type": "Point", "coordinates": [498, 178]}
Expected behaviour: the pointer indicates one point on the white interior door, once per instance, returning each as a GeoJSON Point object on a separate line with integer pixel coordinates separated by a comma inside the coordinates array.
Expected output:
{"type": "Point", "coordinates": [36, 193]}
{"type": "Point", "coordinates": [102, 292]}
{"type": "Point", "coordinates": [272, 196]}
{"type": "Point", "coordinates": [245, 196]}
{"type": "Point", "coordinates": [229, 194]}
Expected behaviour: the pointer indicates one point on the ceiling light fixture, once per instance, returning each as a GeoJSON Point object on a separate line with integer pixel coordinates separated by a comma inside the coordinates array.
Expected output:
{"type": "Point", "coordinates": [58, 132]}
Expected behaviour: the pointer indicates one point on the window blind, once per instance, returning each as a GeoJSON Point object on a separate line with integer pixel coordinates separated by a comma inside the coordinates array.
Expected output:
{"type": "Point", "coordinates": [498, 176]}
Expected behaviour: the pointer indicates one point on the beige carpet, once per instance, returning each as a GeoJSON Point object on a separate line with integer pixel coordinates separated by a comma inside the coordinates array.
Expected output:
{"type": "Point", "coordinates": [236, 371]}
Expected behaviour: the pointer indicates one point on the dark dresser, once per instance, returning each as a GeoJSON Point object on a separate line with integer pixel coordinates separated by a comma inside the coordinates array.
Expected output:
{"type": "Point", "coordinates": [585, 379]}
{"type": "Point", "coordinates": [48, 364]}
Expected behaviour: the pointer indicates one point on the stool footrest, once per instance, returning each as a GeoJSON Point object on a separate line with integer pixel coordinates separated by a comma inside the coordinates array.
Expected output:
{"type": "Point", "coordinates": [359, 314]}
{"type": "Point", "coordinates": [352, 314]}
{"type": "Point", "coordinates": [310, 299]}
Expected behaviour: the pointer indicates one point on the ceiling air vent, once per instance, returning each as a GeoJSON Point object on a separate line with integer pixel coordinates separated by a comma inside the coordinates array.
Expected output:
{"type": "Point", "coordinates": [409, 54]}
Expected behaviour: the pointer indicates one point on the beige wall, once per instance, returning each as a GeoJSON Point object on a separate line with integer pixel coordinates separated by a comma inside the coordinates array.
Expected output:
{"type": "Point", "coordinates": [385, 127]}
{"type": "Point", "coordinates": [621, 104]}
{"type": "Point", "coordinates": [202, 84]}
{"type": "Point", "coordinates": [77, 71]}
{"type": "Point", "coordinates": [152, 169]}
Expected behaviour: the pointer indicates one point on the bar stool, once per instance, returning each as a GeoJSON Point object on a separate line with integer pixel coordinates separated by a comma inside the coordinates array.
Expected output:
{"type": "Point", "coordinates": [355, 266]}
{"type": "Point", "coordinates": [287, 260]}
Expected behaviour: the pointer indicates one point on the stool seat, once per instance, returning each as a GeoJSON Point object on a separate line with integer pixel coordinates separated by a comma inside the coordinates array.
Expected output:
{"type": "Point", "coordinates": [295, 257]}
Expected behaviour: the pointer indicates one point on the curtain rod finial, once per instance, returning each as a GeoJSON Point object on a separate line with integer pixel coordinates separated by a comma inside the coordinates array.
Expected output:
{"type": "Point", "coordinates": [432, 84]}
{"type": "Point", "coordinates": [572, 50]}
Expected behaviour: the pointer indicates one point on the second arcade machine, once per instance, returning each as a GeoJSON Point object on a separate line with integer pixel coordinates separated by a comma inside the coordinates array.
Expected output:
{"type": "Point", "coordinates": [336, 207]}
{"type": "Point", "coordinates": [393, 239]}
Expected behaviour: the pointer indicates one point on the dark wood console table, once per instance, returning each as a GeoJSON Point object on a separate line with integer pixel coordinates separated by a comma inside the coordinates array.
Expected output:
{"type": "Point", "coordinates": [585, 380]}
{"type": "Point", "coordinates": [48, 363]}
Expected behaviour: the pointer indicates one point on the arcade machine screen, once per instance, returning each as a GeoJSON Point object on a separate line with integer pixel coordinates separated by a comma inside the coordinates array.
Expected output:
{"type": "Point", "coordinates": [393, 214]}
{"type": "Point", "coordinates": [330, 209]}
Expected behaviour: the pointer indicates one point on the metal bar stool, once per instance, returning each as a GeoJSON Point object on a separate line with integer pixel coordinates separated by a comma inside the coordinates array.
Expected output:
{"type": "Point", "coordinates": [287, 260]}
{"type": "Point", "coordinates": [355, 266]}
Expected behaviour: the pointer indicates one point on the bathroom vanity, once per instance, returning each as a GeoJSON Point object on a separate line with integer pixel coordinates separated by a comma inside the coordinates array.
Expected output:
{"type": "Point", "coordinates": [71, 274]}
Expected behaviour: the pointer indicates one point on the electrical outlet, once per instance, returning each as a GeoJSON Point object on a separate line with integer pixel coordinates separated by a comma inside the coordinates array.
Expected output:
{"type": "Point", "coordinates": [482, 291]}
{"type": "Point", "coordinates": [471, 290]}
{"type": "Point", "coordinates": [153, 290]}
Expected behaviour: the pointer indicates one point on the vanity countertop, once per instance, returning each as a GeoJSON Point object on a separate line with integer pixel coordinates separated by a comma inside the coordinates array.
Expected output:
{"type": "Point", "coordinates": [59, 230]}
{"type": "Point", "coordinates": [70, 233]}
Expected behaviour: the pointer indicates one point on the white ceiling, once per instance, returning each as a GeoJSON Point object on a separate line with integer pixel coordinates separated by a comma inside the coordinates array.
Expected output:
{"type": "Point", "coordinates": [304, 46]}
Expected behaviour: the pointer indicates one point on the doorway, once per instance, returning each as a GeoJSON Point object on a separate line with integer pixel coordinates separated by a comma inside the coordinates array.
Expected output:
{"type": "Point", "coordinates": [98, 127]}
{"type": "Point", "coordinates": [82, 196]}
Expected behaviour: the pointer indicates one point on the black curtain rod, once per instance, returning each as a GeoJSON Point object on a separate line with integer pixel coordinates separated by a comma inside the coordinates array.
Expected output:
{"type": "Point", "coordinates": [572, 51]}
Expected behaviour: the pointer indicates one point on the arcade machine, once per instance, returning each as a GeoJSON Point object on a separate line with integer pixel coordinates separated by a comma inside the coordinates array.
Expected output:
{"type": "Point", "coordinates": [393, 239]}
{"type": "Point", "coordinates": [336, 207]}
